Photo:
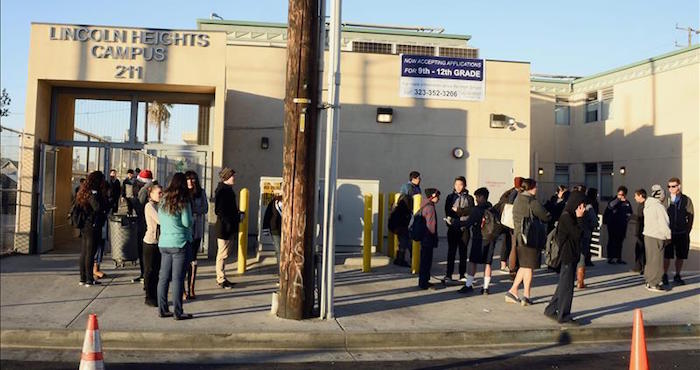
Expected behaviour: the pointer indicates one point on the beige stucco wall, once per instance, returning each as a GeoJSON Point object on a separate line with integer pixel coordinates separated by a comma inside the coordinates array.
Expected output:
{"type": "Point", "coordinates": [421, 137]}
{"type": "Point", "coordinates": [653, 131]}
{"type": "Point", "coordinates": [71, 63]}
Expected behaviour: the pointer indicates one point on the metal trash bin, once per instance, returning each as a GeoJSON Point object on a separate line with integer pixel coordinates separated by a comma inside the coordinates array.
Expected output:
{"type": "Point", "coordinates": [123, 231]}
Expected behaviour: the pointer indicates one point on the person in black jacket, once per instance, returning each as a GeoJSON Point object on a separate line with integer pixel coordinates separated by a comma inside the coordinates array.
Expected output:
{"type": "Point", "coordinates": [457, 207]}
{"type": "Point", "coordinates": [681, 215]}
{"type": "Point", "coordinates": [616, 216]}
{"type": "Point", "coordinates": [227, 219]}
{"type": "Point", "coordinates": [272, 222]}
{"type": "Point", "coordinates": [114, 190]}
{"type": "Point", "coordinates": [91, 201]}
{"type": "Point", "coordinates": [399, 219]}
{"type": "Point", "coordinates": [568, 236]}
{"type": "Point", "coordinates": [481, 252]}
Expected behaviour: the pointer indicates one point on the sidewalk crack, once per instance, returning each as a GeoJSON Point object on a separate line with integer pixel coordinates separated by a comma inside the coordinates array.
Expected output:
{"type": "Point", "coordinates": [104, 286]}
{"type": "Point", "coordinates": [345, 337]}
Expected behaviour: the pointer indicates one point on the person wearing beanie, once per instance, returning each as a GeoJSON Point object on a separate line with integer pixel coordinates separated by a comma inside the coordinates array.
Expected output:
{"type": "Point", "coordinates": [481, 252]}
{"type": "Point", "coordinates": [227, 219]}
{"type": "Point", "coordinates": [141, 188]}
{"type": "Point", "coordinates": [430, 236]}
{"type": "Point", "coordinates": [657, 233]}
{"type": "Point", "coordinates": [568, 234]}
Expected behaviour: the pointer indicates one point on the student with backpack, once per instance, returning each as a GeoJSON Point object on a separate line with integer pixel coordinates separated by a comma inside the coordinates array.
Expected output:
{"type": "Point", "coordinates": [457, 208]}
{"type": "Point", "coordinates": [568, 234]}
{"type": "Point", "coordinates": [508, 256]}
{"type": "Point", "coordinates": [527, 207]}
{"type": "Point", "coordinates": [483, 224]}
{"type": "Point", "coordinates": [89, 214]}
{"type": "Point", "coordinates": [424, 228]}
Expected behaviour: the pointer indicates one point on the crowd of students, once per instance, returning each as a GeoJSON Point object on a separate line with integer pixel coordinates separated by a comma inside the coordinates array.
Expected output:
{"type": "Point", "coordinates": [568, 220]}
{"type": "Point", "coordinates": [170, 226]}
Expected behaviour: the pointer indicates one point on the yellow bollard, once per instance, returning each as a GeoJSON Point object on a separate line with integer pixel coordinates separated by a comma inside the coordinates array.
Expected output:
{"type": "Point", "coordinates": [391, 242]}
{"type": "Point", "coordinates": [367, 236]}
{"type": "Point", "coordinates": [395, 251]}
{"type": "Point", "coordinates": [380, 224]}
{"type": "Point", "coordinates": [415, 258]}
{"type": "Point", "coordinates": [243, 231]}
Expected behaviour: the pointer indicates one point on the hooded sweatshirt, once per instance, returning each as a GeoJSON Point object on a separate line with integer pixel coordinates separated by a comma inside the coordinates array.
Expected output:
{"type": "Point", "coordinates": [656, 221]}
{"type": "Point", "coordinates": [570, 229]}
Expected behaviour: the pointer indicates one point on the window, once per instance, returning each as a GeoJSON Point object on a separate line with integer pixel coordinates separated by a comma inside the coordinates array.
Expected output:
{"type": "Point", "coordinates": [561, 174]}
{"type": "Point", "coordinates": [371, 47]}
{"type": "Point", "coordinates": [606, 181]}
{"type": "Point", "coordinates": [591, 175]}
{"type": "Point", "coordinates": [606, 104]}
{"type": "Point", "coordinates": [561, 112]}
{"type": "Point", "coordinates": [415, 49]}
{"type": "Point", "coordinates": [459, 52]}
{"type": "Point", "coordinates": [592, 106]}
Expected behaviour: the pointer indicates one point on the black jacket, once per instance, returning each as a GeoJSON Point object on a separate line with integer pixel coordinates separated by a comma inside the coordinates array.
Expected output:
{"type": "Point", "coordinates": [227, 213]}
{"type": "Point", "coordinates": [570, 229]}
{"type": "Point", "coordinates": [681, 215]}
{"type": "Point", "coordinates": [461, 212]}
{"type": "Point", "coordinates": [96, 211]}
{"type": "Point", "coordinates": [272, 219]}
{"type": "Point", "coordinates": [616, 216]}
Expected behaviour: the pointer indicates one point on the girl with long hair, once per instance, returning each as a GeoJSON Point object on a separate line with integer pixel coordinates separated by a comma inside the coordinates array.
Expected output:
{"type": "Point", "coordinates": [200, 208]}
{"type": "Point", "coordinates": [91, 201]}
{"type": "Point", "coordinates": [175, 217]}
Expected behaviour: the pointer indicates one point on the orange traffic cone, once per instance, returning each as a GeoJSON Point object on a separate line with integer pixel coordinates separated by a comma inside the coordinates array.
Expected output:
{"type": "Point", "coordinates": [91, 358]}
{"type": "Point", "coordinates": [638, 357]}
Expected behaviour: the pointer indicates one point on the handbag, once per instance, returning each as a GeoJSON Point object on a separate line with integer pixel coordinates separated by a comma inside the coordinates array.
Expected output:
{"type": "Point", "coordinates": [507, 216]}
{"type": "Point", "coordinates": [534, 231]}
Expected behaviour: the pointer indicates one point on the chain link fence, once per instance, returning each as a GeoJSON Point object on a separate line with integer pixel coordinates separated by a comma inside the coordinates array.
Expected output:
{"type": "Point", "coordinates": [10, 144]}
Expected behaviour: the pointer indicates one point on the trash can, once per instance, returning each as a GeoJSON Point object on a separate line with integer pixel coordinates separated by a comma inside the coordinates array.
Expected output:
{"type": "Point", "coordinates": [123, 231]}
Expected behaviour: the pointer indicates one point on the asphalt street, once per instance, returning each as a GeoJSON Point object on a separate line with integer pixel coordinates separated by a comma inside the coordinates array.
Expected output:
{"type": "Point", "coordinates": [660, 360]}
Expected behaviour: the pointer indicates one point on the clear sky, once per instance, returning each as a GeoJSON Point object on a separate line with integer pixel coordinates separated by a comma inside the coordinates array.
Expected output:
{"type": "Point", "coordinates": [557, 37]}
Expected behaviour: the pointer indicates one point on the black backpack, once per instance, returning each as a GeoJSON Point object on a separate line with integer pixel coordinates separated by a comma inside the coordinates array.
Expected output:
{"type": "Point", "coordinates": [552, 256]}
{"type": "Point", "coordinates": [490, 225]}
{"type": "Point", "coordinates": [418, 227]}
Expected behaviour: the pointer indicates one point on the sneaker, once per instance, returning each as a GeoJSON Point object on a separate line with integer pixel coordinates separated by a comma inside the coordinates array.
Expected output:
{"type": "Point", "coordinates": [165, 314]}
{"type": "Point", "coordinates": [448, 279]}
{"type": "Point", "coordinates": [184, 316]}
{"type": "Point", "coordinates": [525, 301]}
{"type": "Point", "coordinates": [150, 302]}
{"type": "Point", "coordinates": [664, 279]}
{"type": "Point", "coordinates": [91, 283]}
{"type": "Point", "coordinates": [510, 298]}
{"type": "Point", "coordinates": [570, 321]}
{"type": "Point", "coordinates": [426, 286]}
{"type": "Point", "coordinates": [677, 279]}
{"type": "Point", "coordinates": [465, 290]}
{"type": "Point", "coordinates": [226, 284]}
{"type": "Point", "coordinates": [137, 279]}
{"type": "Point", "coordinates": [81, 283]}
{"type": "Point", "coordinates": [484, 291]}
{"type": "Point", "coordinates": [655, 289]}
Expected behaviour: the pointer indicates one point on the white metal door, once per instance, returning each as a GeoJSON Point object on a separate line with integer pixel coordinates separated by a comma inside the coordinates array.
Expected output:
{"type": "Point", "coordinates": [496, 175]}
{"type": "Point", "coordinates": [47, 197]}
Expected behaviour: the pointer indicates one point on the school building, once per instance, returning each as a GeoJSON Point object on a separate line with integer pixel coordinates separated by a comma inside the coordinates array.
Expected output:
{"type": "Point", "coordinates": [101, 97]}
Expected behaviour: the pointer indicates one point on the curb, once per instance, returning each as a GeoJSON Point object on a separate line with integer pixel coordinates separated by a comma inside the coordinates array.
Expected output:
{"type": "Point", "coordinates": [24, 338]}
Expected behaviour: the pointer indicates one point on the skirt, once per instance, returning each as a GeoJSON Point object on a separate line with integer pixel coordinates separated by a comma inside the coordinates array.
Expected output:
{"type": "Point", "coordinates": [528, 257]}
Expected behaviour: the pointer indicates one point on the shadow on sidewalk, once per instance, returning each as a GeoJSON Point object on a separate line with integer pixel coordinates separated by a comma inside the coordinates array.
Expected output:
{"type": "Point", "coordinates": [563, 340]}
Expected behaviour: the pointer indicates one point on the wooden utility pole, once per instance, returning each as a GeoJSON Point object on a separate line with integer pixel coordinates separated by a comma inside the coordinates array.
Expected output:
{"type": "Point", "coordinates": [296, 296]}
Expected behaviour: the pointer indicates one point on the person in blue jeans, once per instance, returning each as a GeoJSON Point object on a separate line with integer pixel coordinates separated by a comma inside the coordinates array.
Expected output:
{"type": "Point", "coordinates": [175, 217]}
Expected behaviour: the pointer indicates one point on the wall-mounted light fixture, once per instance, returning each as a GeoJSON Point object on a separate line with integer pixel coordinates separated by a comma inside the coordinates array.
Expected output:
{"type": "Point", "coordinates": [265, 143]}
{"type": "Point", "coordinates": [385, 115]}
{"type": "Point", "coordinates": [501, 121]}
{"type": "Point", "coordinates": [540, 171]}
{"type": "Point", "coordinates": [623, 170]}
{"type": "Point", "coordinates": [458, 153]}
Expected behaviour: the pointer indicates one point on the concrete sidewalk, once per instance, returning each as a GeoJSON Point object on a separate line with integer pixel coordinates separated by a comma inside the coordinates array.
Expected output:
{"type": "Point", "coordinates": [41, 305]}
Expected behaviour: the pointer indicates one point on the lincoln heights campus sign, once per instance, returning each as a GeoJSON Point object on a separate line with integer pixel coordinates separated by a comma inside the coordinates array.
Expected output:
{"type": "Point", "coordinates": [129, 44]}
